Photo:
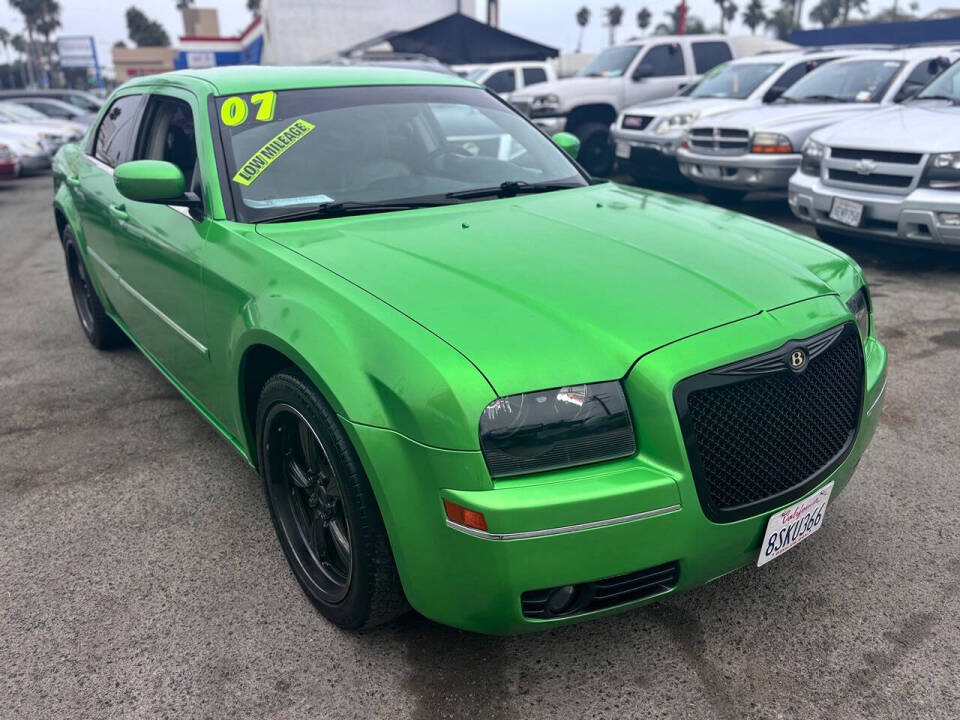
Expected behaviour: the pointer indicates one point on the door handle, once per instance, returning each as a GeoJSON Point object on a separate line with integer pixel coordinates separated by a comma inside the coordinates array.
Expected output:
{"type": "Point", "coordinates": [73, 180]}
{"type": "Point", "coordinates": [681, 86]}
{"type": "Point", "coordinates": [119, 212]}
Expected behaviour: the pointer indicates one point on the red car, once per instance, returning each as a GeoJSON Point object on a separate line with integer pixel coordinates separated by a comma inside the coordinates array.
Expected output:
{"type": "Point", "coordinates": [9, 163]}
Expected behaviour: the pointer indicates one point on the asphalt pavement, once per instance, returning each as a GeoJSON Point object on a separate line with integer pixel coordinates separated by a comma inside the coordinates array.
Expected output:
{"type": "Point", "coordinates": [140, 576]}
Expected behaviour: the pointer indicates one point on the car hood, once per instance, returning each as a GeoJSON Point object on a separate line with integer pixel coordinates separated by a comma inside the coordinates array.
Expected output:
{"type": "Point", "coordinates": [786, 117]}
{"type": "Point", "coordinates": [924, 127]}
{"type": "Point", "coordinates": [573, 286]}
{"type": "Point", "coordinates": [671, 106]}
{"type": "Point", "coordinates": [569, 88]}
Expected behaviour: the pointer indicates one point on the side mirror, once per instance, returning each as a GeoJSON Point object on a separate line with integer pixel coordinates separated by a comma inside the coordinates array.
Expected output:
{"type": "Point", "coordinates": [773, 93]}
{"type": "Point", "coordinates": [153, 181]}
{"type": "Point", "coordinates": [643, 70]}
{"type": "Point", "coordinates": [568, 142]}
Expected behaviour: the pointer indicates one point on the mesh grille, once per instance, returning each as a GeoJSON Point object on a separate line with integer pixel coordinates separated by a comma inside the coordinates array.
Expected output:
{"type": "Point", "coordinates": [758, 437]}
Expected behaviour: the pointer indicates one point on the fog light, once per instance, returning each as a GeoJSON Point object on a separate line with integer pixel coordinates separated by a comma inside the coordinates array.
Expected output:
{"type": "Point", "coordinates": [949, 219]}
{"type": "Point", "coordinates": [561, 599]}
{"type": "Point", "coordinates": [793, 199]}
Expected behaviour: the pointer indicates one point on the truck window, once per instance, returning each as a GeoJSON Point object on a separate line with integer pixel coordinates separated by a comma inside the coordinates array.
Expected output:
{"type": "Point", "coordinates": [707, 55]}
{"type": "Point", "coordinates": [502, 81]}
{"type": "Point", "coordinates": [534, 75]}
{"type": "Point", "coordinates": [666, 60]}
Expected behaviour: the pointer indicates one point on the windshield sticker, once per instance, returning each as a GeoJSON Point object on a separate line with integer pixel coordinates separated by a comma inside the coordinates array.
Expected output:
{"type": "Point", "coordinates": [264, 157]}
{"type": "Point", "coordinates": [863, 96]}
{"type": "Point", "coordinates": [234, 110]}
{"type": "Point", "coordinates": [288, 202]}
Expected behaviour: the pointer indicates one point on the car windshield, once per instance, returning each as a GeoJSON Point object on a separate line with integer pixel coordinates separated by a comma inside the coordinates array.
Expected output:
{"type": "Point", "coordinates": [293, 150]}
{"type": "Point", "coordinates": [15, 111]}
{"type": "Point", "coordinates": [78, 101]}
{"type": "Point", "coordinates": [612, 62]}
{"type": "Point", "coordinates": [945, 86]}
{"type": "Point", "coordinates": [863, 81]}
{"type": "Point", "coordinates": [734, 80]}
{"type": "Point", "coordinates": [476, 74]}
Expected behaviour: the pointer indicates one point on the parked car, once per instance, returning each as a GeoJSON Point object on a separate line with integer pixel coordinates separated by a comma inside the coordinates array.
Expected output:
{"type": "Point", "coordinates": [9, 163]}
{"type": "Point", "coordinates": [733, 153]}
{"type": "Point", "coordinates": [490, 386]}
{"type": "Point", "coordinates": [892, 175]}
{"type": "Point", "coordinates": [57, 109]}
{"type": "Point", "coordinates": [83, 101]}
{"type": "Point", "coordinates": [507, 77]}
{"type": "Point", "coordinates": [646, 136]}
{"type": "Point", "coordinates": [58, 130]}
{"type": "Point", "coordinates": [623, 75]}
{"type": "Point", "coordinates": [27, 144]}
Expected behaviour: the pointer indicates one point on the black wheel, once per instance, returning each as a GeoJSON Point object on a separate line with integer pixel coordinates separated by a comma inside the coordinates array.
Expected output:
{"type": "Point", "coordinates": [323, 508]}
{"type": "Point", "coordinates": [722, 196]}
{"type": "Point", "coordinates": [596, 150]}
{"type": "Point", "coordinates": [101, 331]}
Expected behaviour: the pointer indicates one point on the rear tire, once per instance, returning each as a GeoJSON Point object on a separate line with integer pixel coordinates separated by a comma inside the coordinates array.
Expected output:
{"type": "Point", "coordinates": [102, 332]}
{"type": "Point", "coordinates": [323, 508]}
{"type": "Point", "coordinates": [596, 150]}
{"type": "Point", "coordinates": [722, 196]}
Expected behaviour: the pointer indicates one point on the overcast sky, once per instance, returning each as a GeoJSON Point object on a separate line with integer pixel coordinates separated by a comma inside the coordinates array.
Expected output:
{"type": "Point", "coordinates": [551, 23]}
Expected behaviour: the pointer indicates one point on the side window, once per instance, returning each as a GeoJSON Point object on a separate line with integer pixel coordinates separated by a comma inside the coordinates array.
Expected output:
{"type": "Point", "coordinates": [534, 75]}
{"type": "Point", "coordinates": [115, 136]}
{"type": "Point", "coordinates": [923, 73]}
{"type": "Point", "coordinates": [707, 55]}
{"type": "Point", "coordinates": [168, 134]}
{"type": "Point", "coordinates": [791, 76]}
{"type": "Point", "coordinates": [665, 60]}
{"type": "Point", "coordinates": [502, 81]}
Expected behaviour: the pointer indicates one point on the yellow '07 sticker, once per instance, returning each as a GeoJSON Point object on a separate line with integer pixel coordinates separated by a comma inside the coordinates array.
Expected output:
{"type": "Point", "coordinates": [265, 156]}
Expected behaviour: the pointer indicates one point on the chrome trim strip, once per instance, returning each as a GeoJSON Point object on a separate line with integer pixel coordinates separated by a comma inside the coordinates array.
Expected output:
{"type": "Point", "coordinates": [99, 164]}
{"type": "Point", "coordinates": [559, 530]}
{"type": "Point", "coordinates": [883, 389]}
{"type": "Point", "coordinates": [198, 346]}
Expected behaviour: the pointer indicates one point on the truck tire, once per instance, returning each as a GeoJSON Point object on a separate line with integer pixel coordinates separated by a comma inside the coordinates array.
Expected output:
{"type": "Point", "coordinates": [596, 150]}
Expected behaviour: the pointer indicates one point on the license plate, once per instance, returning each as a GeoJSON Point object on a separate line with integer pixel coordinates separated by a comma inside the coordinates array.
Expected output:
{"type": "Point", "coordinates": [711, 171]}
{"type": "Point", "coordinates": [847, 212]}
{"type": "Point", "coordinates": [790, 527]}
{"type": "Point", "coordinates": [623, 150]}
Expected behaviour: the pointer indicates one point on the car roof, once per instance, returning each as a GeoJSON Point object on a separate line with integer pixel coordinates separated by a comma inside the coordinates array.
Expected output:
{"type": "Point", "coordinates": [671, 38]}
{"type": "Point", "coordinates": [904, 54]}
{"type": "Point", "coordinates": [247, 78]}
{"type": "Point", "coordinates": [788, 55]}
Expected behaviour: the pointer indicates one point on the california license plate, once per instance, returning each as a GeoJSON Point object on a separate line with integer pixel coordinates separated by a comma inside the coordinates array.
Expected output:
{"type": "Point", "coordinates": [846, 212]}
{"type": "Point", "coordinates": [711, 171]}
{"type": "Point", "coordinates": [623, 150]}
{"type": "Point", "coordinates": [791, 526]}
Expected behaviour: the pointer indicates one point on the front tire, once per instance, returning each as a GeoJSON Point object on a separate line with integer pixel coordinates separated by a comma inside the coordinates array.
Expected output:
{"type": "Point", "coordinates": [596, 150]}
{"type": "Point", "coordinates": [323, 508]}
{"type": "Point", "coordinates": [102, 332]}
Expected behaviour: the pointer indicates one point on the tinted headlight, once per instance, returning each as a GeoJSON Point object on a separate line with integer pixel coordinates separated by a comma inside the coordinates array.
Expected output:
{"type": "Point", "coordinates": [680, 121]}
{"type": "Point", "coordinates": [558, 428]}
{"type": "Point", "coordinates": [943, 171]}
{"type": "Point", "coordinates": [859, 305]}
{"type": "Point", "coordinates": [812, 157]}
{"type": "Point", "coordinates": [771, 143]}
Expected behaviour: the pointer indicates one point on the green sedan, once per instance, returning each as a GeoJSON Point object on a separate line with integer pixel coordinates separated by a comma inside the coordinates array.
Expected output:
{"type": "Point", "coordinates": [474, 380]}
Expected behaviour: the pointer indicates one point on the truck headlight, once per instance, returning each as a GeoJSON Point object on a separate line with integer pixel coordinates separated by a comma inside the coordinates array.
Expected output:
{"type": "Point", "coordinates": [943, 171]}
{"type": "Point", "coordinates": [812, 157]}
{"type": "Point", "coordinates": [680, 121]}
{"type": "Point", "coordinates": [545, 105]}
{"type": "Point", "coordinates": [558, 428]}
{"type": "Point", "coordinates": [859, 305]}
{"type": "Point", "coordinates": [771, 143]}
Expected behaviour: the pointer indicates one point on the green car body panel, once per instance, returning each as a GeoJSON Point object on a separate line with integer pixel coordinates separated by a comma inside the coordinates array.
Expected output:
{"type": "Point", "coordinates": [410, 323]}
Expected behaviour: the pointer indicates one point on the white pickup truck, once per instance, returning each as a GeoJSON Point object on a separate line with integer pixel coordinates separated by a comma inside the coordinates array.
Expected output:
{"type": "Point", "coordinates": [637, 71]}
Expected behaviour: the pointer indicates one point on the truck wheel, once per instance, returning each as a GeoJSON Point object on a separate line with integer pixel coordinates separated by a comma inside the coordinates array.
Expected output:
{"type": "Point", "coordinates": [722, 196]}
{"type": "Point", "coordinates": [596, 150]}
{"type": "Point", "coordinates": [102, 332]}
{"type": "Point", "coordinates": [322, 506]}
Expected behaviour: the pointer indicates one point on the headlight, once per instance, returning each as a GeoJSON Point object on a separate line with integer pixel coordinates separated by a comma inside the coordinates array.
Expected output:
{"type": "Point", "coordinates": [767, 142]}
{"type": "Point", "coordinates": [812, 157]}
{"type": "Point", "coordinates": [943, 171]}
{"type": "Point", "coordinates": [544, 105]}
{"type": "Point", "coordinates": [680, 121]}
{"type": "Point", "coordinates": [558, 428]}
{"type": "Point", "coordinates": [859, 305]}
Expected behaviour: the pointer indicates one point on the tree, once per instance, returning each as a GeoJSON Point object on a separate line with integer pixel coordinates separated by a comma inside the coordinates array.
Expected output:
{"type": "Point", "coordinates": [145, 32]}
{"type": "Point", "coordinates": [728, 11]}
{"type": "Point", "coordinates": [781, 21]}
{"type": "Point", "coordinates": [184, 4]}
{"type": "Point", "coordinates": [825, 12]}
{"type": "Point", "coordinates": [694, 26]}
{"type": "Point", "coordinates": [254, 7]}
{"type": "Point", "coordinates": [643, 19]}
{"type": "Point", "coordinates": [754, 16]}
{"type": "Point", "coordinates": [847, 5]}
{"type": "Point", "coordinates": [119, 44]}
{"type": "Point", "coordinates": [583, 17]}
{"type": "Point", "coordinates": [5, 42]}
{"type": "Point", "coordinates": [614, 18]}
{"type": "Point", "coordinates": [40, 17]}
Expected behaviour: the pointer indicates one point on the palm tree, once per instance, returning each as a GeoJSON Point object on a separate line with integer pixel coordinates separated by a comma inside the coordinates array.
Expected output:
{"type": "Point", "coordinates": [184, 4]}
{"type": "Point", "coordinates": [825, 12]}
{"type": "Point", "coordinates": [643, 19]}
{"type": "Point", "coordinates": [847, 5]}
{"type": "Point", "coordinates": [614, 18]}
{"type": "Point", "coordinates": [729, 11]}
{"type": "Point", "coordinates": [5, 42]}
{"type": "Point", "coordinates": [781, 21]}
{"type": "Point", "coordinates": [254, 7]}
{"type": "Point", "coordinates": [583, 17]}
{"type": "Point", "coordinates": [19, 46]}
{"type": "Point", "coordinates": [754, 16]}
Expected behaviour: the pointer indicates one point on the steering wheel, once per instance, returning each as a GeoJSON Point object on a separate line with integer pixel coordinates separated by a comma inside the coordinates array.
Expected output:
{"type": "Point", "coordinates": [447, 150]}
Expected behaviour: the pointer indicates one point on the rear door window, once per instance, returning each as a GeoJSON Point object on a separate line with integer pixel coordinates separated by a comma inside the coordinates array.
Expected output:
{"type": "Point", "coordinates": [502, 81]}
{"type": "Point", "coordinates": [707, 55]}
{"type": "Point", "coordinates": [534, 75]}
{"type": "Point", "coordinates": [666, 60]}
{"type": "Point", "coordinates": [115, 136]}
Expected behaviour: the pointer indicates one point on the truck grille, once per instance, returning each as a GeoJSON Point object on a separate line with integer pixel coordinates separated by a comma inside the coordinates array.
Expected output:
{"type": "Point", "coordinates": [868, 169]}
{"type": "Point", "coordinates": [760, 434]}
{"type": "Point", "coordinates": [720, 141]}
{"type": "Point", "coordinates": [635, 122]}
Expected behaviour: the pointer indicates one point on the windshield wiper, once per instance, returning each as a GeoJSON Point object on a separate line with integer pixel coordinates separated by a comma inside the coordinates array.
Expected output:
{"type": "Point", "coordinates": [509, 189]}
{"type": "Point", "coordinates": [955, 101]}
{"type": "Point", "coordinates": [334, 209]}
{"type": "Point", "coordinates": [824, 98]}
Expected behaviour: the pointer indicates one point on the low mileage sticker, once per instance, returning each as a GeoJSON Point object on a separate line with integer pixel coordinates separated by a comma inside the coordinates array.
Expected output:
{"type": "Point", "coordinates": [262, 158]}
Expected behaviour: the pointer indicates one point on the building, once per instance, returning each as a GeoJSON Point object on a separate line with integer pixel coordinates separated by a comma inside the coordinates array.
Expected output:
{"type": "Point", "coordinates": [296, 32]}
{"type": "Point", "coordinates": [129, 63]}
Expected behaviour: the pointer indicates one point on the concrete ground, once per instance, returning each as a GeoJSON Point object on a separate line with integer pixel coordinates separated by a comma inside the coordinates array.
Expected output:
{"type": "Point", "coordinates": [140, 576]}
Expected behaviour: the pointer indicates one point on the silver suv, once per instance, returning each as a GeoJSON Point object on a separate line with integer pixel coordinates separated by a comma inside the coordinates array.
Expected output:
{"type": "Point", "coordinates": [894, 175]}
{"type": "Point", "coordinates": [735, 152]}
{"type": "Point", "coordinates": [647, 135]}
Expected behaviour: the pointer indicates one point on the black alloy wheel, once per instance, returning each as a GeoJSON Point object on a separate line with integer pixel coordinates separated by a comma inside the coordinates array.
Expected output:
{"type": "Point", "coordinates": [100, 329]}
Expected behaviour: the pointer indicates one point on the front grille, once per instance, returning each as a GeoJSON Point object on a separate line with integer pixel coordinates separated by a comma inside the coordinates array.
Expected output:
{"type": "Point", "coordinates": [635, 122]}
{"type": "Point", "coordinates": [878, 179]}
{"type": "Point", "coordinates": [720, 141]}
{"type": "Point", "coordinates": [887, 156]}
{"type": "Point", "coordinates": [605, 593]}
{"type": "Point", "coordinates": [760, 434]}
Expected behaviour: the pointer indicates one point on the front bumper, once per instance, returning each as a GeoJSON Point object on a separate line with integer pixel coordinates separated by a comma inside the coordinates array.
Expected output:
{"type": "Point", "coordinates": [36, 162]}
{"type": "Point", "coordinates": [911, 218]}
{"type": "Point", "coordinates": [550, 125]}
{"type": "Point", "coordinates": [646, 153]}
{"type": "Point", "coordinates": [739, 172]}
{"type": "Point", "coordinates": [666, 144]}
{"type": "Point", "coordinates": [589, 523]}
